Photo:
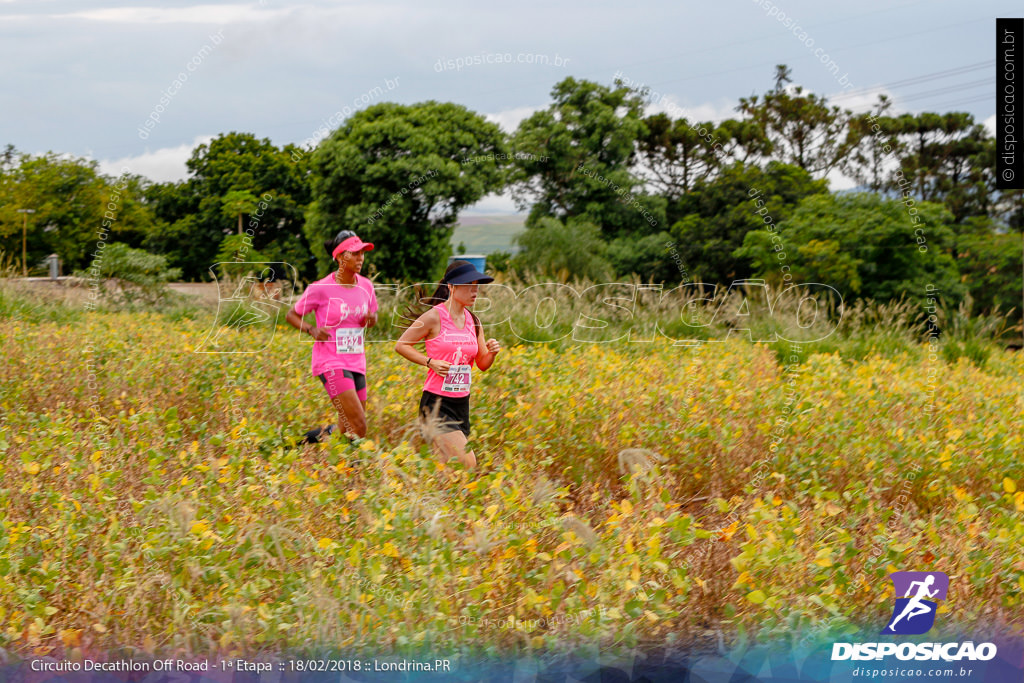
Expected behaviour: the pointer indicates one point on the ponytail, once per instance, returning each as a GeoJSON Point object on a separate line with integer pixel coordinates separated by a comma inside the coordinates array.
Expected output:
{"type": "Point", "coordinates": [439, 296]}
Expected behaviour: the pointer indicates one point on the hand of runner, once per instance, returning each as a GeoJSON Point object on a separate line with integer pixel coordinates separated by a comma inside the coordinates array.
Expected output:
{"type": "Point", "coordinates": [439, 366]}
{"type": "Point", "coordinates": [493, 345]}
{"type": "Point", "coordinates": [321, 334]}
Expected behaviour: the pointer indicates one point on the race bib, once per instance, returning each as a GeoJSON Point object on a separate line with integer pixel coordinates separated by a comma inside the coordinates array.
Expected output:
{"type": "Point", "coordinates": [349, 339]}
{"type": "Point", "coordinates": [458, 378]}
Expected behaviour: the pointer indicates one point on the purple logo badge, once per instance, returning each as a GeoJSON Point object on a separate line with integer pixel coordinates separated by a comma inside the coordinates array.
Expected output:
{"type": "Point", "coordinates": [917, 596]}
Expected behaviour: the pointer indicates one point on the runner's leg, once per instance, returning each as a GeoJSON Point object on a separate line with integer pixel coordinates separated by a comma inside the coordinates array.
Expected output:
{"type": "Point", "coordinates": [348, 394]}
{"type": "Point", "coordinates": [351, 414]}
{"type": "Point", "coordinates": [919, 609]}
{"type": "Point", "coordinates": [910, 606]}
{"type": "Point", "coordinates": [453, 445]}
{"type": "Point", "coordinates": [359, 380]}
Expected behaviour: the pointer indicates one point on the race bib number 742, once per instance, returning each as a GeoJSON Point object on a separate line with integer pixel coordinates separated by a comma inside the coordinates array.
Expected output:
{"type": "Point", "coordinates": [458, 378]}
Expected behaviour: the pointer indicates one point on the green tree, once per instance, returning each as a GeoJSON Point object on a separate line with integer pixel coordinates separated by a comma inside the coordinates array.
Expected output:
{"type": "Point", "coordinates": [946, 158]}
{"type": "Point", "coordinates": [783, 75]}
{"type": "Point", "coordinates": [398, 175]}
{"type": "Point", "coordinates": [235, 249]}
{"type": "Point", "coordinates": [574, 160]}
{"type": "Point", "coordinates": [745, 141]}
{"type": "Point", "coordinates": [928, 140]}
{"type": "Point", "coordinates": [969, 187]}
{"type": "Point", "coordinates": [192, 212]}
{"type": "Point", "coordinates": [1008, 209]}
{"type": "Point", "coordinates": [943, 158]}
{"type": "Point", "coordinates": [802, 129]}
{"type": "Point", "coordinates": [239, 203]}
{"type": "Point", "coordinates": [863, 245]}
{"type": "Point", "coordinates": [989, 258]}
{"type": "Point", "coordinates": [878, 144]}
{"type": "Point", "coordinates": [75, 205]}
{"type": "Point", "coordinates": [677, 156]}
{"type": "Point", "coordinates": [717, 216]}
{"type": "Point", "coordinates": [555, 249]}
{"type": "Point", "coordinates": [648, 256]}
{"type": "Point", "coordinates": [8, 159]}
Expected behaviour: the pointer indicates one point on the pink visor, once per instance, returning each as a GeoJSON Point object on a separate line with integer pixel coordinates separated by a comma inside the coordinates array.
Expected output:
{"type": "Point", "coordinates": [351, 244]}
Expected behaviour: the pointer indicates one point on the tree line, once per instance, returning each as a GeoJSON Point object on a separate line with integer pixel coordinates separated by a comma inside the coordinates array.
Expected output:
{"type": "Point", "coordinates": [609, 190]}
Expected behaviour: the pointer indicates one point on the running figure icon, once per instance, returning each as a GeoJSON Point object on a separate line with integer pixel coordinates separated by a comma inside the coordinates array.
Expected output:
{"type": "Point", "coordinates": [915, 607]}
{"type": "Point", "coordinates": [914, 612]}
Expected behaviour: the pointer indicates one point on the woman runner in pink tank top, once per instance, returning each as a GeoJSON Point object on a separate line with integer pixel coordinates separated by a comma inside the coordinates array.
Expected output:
{"type": "Point", "coordinates": [454, 341]}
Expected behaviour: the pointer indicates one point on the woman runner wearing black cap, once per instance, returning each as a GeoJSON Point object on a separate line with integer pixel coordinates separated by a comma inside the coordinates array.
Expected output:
{"type": "Point", "coordinates": [454, 341]}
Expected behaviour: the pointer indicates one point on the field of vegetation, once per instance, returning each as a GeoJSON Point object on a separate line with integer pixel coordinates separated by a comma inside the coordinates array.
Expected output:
{"type": "Point", "coordinates": [627, 494]}
{"type": "Point", "coordinates": [486, 234]}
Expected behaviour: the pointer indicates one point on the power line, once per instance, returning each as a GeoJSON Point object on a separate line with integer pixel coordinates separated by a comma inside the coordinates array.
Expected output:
{"type": "Point", "coordinates": [900, 36]}
{"type": "Point", "coordinates": [748, 41]}
{"type": "Point", "coordinates": [990, 97]}
{"type": "Point", "coordinates": [761, 36]}
{"type": "Point", "coordinates": [907, 35]}
{"type": "Point", "coordinates": [943, 91]}
{"type": "Point", "coordinates": [919, 79]}
{"type": "Point", "coordinates": [970, 100]}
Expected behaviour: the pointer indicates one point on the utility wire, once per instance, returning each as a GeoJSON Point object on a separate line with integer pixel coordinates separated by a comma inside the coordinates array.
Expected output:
{"type": "Point", "coordinates": [990, 97]}
{"type": "Point", "coordinates": [943, 91]}
{"type": "Point", "coordinates": [920, 79]}
{"type": "Point", "coordinates": [938, 107]}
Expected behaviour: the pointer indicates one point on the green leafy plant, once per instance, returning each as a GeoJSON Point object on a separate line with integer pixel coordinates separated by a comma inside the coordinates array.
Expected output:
{"type": "Point", "coordinates": [123, 275]}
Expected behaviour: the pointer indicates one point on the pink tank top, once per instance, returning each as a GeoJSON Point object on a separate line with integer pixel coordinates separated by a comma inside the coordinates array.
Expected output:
{"type": "Point", "coordinates": [457, 346]}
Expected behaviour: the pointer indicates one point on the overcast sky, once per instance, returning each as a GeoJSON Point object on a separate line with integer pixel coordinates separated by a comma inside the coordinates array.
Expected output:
{"type": "Point", "coordinates": [82, 77]}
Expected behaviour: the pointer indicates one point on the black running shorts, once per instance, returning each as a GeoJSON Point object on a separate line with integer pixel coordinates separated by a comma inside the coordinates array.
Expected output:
{"type": "Point", "coordinates": [453, 411]}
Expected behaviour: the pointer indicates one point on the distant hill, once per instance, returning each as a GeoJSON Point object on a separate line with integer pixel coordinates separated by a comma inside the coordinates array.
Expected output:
{"type": "Point", "coordinates": [486, 234]}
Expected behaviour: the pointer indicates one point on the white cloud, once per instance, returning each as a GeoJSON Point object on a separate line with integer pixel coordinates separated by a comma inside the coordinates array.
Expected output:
{"type": "Point", "coordinates": [509, 119]}
{"type": "Point", "coordinates": [197, 14]}
{"type": "Point", "coordinates": [837, 181]}
{"type": "Point", "coordinates": [665, 104]}
{"type": "Point", "coordinates": [492, 204]}
{"type": "Point", "coordinates": [163, 165]}
{"type": "Point", "coordinates": [990, 125]}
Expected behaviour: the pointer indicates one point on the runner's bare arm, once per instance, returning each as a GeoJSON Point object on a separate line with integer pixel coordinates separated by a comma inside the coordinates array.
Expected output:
{"type": "Point", "coordinates": [486, 350]}
{"type": "Point", "coordinates": [427, 325]}
{"type": "Point", "coordinates": [296, 321]}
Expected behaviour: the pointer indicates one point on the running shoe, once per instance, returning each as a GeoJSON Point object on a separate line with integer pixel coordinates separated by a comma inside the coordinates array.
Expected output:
{"type": "Point", "coordinates": [317, 435]}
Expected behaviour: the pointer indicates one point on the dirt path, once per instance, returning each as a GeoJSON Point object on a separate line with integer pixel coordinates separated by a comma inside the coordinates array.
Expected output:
{"type": "Point", "coordinates": [206, 291]}
{"type": "Point", "coordinates": [65, 289]}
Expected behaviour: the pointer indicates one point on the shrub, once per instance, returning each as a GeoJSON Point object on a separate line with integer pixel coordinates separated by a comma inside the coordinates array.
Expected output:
{"type": "Point", "coordinates": [124, 275]}
{"type": "Point", "coordinates": [498, 262]}
{"type": "Point", "coordinates": [863, 245]}
{"type": "Point", "coordinates": [556, 249]}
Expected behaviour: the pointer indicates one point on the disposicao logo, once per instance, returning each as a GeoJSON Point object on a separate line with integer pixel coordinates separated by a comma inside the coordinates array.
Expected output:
{"type": "Point", "coordinates": [914, 614]}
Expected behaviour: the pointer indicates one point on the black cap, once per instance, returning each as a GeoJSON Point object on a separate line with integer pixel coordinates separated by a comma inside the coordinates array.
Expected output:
{"type": "Point", "coordinates": [464, 274]}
